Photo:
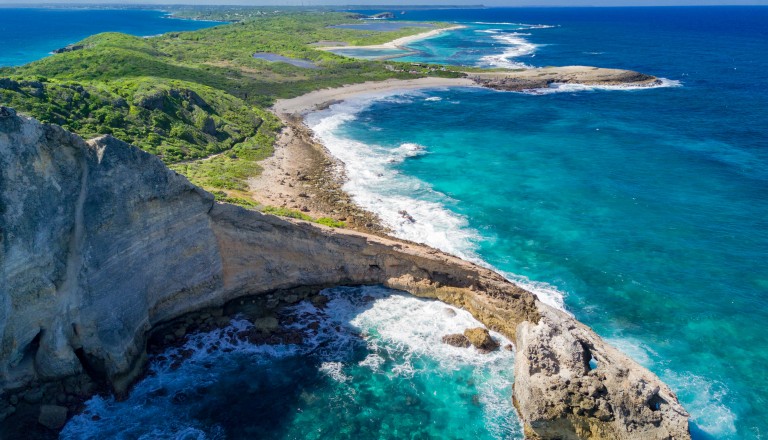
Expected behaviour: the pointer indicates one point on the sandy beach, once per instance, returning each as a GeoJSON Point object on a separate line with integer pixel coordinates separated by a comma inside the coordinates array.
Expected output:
{"type": "Point", "coordinates": [320, 98]}
{"type": "Point", "coordinates": [398, 43]}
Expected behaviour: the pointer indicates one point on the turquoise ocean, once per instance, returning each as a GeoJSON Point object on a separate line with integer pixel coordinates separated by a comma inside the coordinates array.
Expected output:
{"type": "Point", "coordinates": [643, 212]}
{"type": "Point", "coordinates": [29, 34]}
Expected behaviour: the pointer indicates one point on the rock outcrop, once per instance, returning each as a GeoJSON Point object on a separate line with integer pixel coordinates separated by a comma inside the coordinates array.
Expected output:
{"type": "Point", "coordinates": [527, 79]}
{"type": "Point", "coordinates": [457, 340]}
{"type": "Point", "coordinates": [100, 243]}
{"type": "Point", "coordinates": [481, 339]}
{"type": "Point", "coordinates": [570, 384]}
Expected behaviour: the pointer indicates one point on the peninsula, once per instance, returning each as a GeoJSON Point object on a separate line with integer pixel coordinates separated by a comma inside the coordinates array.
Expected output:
{"type": "Point", "coordinates": [85, 287]}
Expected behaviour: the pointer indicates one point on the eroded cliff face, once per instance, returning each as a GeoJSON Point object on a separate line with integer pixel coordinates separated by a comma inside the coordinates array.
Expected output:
{"type": "Point", "coordinates": [101, 243]}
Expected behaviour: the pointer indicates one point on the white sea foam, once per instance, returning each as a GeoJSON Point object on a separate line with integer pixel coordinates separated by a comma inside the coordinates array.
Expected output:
{"type": "Point", "coordinates": [334, 370]}
{"type": "Point", "coordinates": [409, 206]}
{"type": "Point", "coordinates": [538, 26]}
{"type": "Point", "coordinates": [523, 26]}
{"type": "Point", "coordinates": [705, 398]}
{"type": "Point", "coordinates": [705, 401]}
{"type": "Point", "coordinates": [434, 99]}
{"type": "Point", "coordinates": [515, 46]}
{"type": "Point", "coordinates": [390, 325]}
{"type": "Point", "coordinates": [416, 327]}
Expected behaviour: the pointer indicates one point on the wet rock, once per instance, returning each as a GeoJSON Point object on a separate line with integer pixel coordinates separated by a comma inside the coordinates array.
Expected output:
{"type": "Point", "coordinates": [319, 301]}
{"type": "Point", "coordinates": [34, 395]}
{"type": "Point", "coordinates": [52, 416]}
{"type": "Point", "coordinates": [266, 325]}
{"type": "Point", "coordinates": [457, 340]}
{"type": "Point", "coordinates": [449, 312]}
{"type": "Point", "coordinates": [404, 214]}
{"type": "Point", "coordinates": [481, 339]}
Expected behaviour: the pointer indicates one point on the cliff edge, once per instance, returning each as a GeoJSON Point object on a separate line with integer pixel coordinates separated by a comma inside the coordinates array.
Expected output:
{"type": "Point", "coordinates": [100, 243]}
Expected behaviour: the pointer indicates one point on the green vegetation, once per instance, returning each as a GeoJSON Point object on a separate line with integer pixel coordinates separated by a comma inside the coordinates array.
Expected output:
{"type": "Point", "coordinates": [284, 212]}
{"type": "Point", "coordinates": [197, 99]}
{"type": "Point", "coordinates": [174, 119]}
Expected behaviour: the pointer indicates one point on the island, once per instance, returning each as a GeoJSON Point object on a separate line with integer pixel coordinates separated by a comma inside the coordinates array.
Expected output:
{"type": "Point", "coordinates": [187, 132]}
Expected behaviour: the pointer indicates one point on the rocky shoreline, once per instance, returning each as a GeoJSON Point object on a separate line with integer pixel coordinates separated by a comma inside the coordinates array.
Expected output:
{"type": "Point", "coordinates": [541, 78]}
{"type": "Point", "coordinates": [303, 175]}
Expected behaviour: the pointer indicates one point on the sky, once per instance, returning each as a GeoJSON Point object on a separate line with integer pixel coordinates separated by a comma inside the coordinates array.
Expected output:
{"type": "Point", "coordinates": [407, 2]}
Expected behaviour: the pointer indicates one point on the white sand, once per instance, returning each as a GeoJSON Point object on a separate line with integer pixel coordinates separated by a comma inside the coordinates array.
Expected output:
{"type": "Point", "coordinates": [311, 101]}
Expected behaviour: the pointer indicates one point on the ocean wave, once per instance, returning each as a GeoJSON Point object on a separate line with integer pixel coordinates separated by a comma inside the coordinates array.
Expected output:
{"type": "Point", "coordinates": [706, 399]}
{"type": "Point", "coordinates": [516, 47]}
{"type": "Point", "coordinates": [538, 26]}
{"type": "Point", "coordinates": [525, 26]}
{"type": "Point", "coordinates": [411, 208]}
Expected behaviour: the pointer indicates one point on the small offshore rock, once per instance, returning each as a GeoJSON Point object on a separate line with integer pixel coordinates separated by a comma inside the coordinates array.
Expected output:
{"type": "Point", "coordinates": [449, 312]}
{"type": "Point", "coordinates": [266, 325]}
{"type": "Point", "coordinates": [457, 340]}
{"type": "Point", "coordinates": [319, 301]}
{"type": "Point", "coordinates": [481, 339]}
{"type": "Point", "coordinates": [52, 416]}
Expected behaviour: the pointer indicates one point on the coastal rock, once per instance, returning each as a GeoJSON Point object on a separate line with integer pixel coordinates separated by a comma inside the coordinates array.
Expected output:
{"type": "Point", "coordinates": [70, 48]}
{"type": "Point", "coordinates": [100, 243]}
{"type": "Point", "coordinates": [540, 78]}
{"type": "Point", "coordinates": [569, 384]}
{"type": "Point", "coordinates": [457, 340]}
{"type": "Point", "coordinates": [481, 339]}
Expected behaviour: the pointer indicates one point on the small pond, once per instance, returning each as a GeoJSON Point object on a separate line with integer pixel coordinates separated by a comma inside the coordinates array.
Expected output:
{"type": "Point", "coordinates": [275, 58]}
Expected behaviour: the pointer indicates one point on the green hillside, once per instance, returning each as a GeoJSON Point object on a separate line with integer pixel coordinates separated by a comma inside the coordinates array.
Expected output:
{"type": "Point", "coordinates": [196, 99]}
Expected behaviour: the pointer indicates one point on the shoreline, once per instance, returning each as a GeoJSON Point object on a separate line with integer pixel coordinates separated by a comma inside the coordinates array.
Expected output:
{"type": "Point", "coordinates": [319, 98]}
{"type": "Point", "coordinates": [399, 42]}
{"type": "Point", "coordinates": [303, 175]}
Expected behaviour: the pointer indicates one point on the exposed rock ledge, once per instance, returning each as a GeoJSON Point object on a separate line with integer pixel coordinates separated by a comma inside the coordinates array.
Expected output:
{"type": "Point", "coordinates": [101, 243]}
{"type": "Point", "coordinates": [527, 79]}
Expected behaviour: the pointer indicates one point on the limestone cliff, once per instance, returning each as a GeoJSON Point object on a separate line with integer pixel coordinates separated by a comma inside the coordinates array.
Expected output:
{"type": "Point", "coordinates": [100, 243]}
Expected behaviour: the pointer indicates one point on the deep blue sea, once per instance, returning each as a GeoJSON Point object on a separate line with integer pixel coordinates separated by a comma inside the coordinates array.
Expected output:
{"type": "Point", "coordinates": [29, 34]}
{"type": "Point", "coordinates": [642, 212]}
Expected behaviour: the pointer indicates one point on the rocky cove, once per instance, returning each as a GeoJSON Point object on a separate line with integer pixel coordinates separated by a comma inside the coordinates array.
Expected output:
{"type": "Point", "coordinates": [105, 249]}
